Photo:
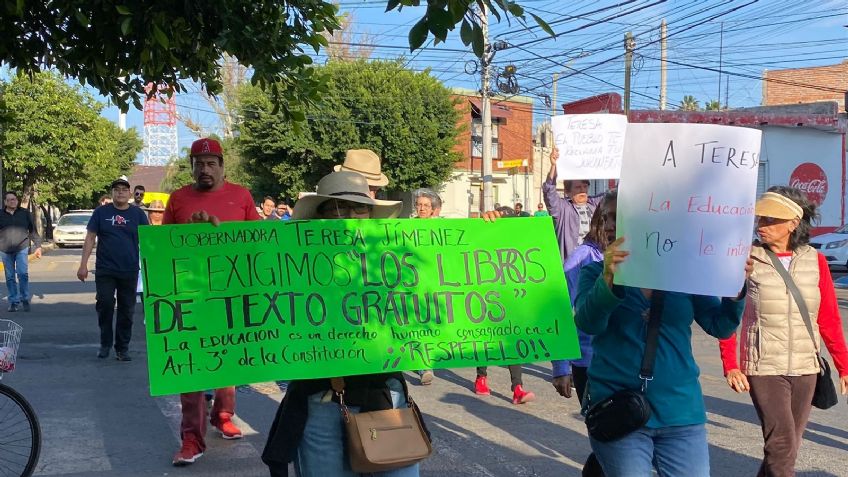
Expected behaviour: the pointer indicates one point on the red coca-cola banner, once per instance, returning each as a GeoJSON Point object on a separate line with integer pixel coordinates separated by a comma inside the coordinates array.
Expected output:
{"type": "Point", "coordinates": [811, 179]}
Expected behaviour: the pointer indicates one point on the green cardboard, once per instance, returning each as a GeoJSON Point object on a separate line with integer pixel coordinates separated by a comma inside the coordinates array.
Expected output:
{"type": "Point", "coordinates": [250, 302]}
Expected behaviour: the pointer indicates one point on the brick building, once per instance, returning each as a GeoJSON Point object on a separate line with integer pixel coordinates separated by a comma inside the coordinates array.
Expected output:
{"type": "Point", "coordinates": [512, 155]}
{"type": "Point", "coordinates": [776, 92]}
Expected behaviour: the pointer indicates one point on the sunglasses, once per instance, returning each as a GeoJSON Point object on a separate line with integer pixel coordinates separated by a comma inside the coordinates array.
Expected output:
{"type": "Point", "coordinates": [343, 209]}
{"type": "Point", "coordinates": [770, 220]}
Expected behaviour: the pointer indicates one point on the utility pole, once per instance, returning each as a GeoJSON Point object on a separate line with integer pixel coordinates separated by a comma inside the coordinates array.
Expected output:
{"type": "Point", "coordinates": [486, 113]}
{"type": "Point", "coordinates": [726, 91]}
{"type": "Point", "coordinates": [720, 51]}
{"type": "Point", "coordinates": [629, 46]}
{"type": "Point", "coordinates": [663, 72]}
{"type": "Point", "coordinates": [553, 102]}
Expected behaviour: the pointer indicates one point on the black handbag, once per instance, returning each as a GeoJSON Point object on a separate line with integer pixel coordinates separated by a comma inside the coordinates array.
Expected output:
{"type": "Point", "coordinates": [628, 410]}
{"type": "Point", "coordinates": [824, 397]}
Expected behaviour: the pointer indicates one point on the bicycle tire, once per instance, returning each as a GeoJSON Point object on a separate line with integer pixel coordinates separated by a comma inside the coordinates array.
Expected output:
{"type": "Point", "coordinates": [13, 405]}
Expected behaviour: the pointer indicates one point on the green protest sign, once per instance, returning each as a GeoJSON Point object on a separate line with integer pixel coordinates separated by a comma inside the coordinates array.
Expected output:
{"type": "Point", "coordinates": [248, 302]}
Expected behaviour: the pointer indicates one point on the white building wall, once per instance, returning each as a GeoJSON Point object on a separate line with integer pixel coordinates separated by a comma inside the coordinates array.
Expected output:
{"type": "Point", "coordinates": [784, 149]}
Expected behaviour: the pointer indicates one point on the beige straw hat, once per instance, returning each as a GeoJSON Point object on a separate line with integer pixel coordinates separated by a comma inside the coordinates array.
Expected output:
{"type": "Point", "coordinates": [344, 185]}
{"type": "Point", "coordinates": [367, 163]}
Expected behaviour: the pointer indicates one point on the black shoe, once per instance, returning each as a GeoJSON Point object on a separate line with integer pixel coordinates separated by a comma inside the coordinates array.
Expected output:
{"type": "Point", "coordinates": [122, 356]}
{"type": "Point", "coordinates": [103, 353]}
{"type": "Point", "coordinates": [25, 304]}
{"type": "Point", "coordinates": [13, 307]}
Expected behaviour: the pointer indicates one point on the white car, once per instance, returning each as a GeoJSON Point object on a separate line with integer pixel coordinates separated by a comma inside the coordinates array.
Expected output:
{"type": "Point", "coordinates": [834, 246]}
{"type": "Point", "coordinates": [71, 228]}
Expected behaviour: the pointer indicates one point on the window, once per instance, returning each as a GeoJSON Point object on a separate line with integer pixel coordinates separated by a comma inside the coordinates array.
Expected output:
{"type": "Point", "coordinates": [477, 138]}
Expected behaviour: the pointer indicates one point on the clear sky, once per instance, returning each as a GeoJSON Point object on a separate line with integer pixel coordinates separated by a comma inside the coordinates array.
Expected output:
{"type": "Point", "coordinates": [745, 37]}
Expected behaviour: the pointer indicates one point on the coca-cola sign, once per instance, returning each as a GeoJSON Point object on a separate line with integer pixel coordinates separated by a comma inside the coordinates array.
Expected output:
{"type": "Point", "coordinates": [811, 179]}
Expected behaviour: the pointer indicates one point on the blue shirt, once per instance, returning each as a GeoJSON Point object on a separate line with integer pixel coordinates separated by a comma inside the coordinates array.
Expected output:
{"type": "Point", "coordinates": [615, 318]}
{"type": "Point", "coordinates": [579, 258]}
{"type": "Point", "coordinates": [117, 237]}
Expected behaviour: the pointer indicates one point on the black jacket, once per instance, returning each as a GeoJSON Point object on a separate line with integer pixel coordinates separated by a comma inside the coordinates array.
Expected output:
{"type": "Point", "coordinates": [16, 231]}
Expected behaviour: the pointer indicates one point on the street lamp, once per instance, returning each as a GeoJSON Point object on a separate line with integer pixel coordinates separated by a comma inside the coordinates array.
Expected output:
{"type": "Point", "coordinates": [567, 69]}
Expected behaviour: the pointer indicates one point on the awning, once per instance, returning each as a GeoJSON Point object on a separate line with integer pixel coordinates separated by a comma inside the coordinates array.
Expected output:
{"type": "Point", "coordinates": [499, 111]}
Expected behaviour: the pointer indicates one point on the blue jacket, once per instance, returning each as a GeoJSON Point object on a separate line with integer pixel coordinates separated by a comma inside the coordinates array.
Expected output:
{"type": "Point", "coordinates": [581, 256]}
{"type": "Point", "coordinates": [614, 318]}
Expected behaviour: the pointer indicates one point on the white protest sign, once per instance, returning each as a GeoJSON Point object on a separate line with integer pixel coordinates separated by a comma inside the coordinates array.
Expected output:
{"type": "Point", "coordinates": [686, 207]}
{"type": "Point", "coordinates": [590, 145]}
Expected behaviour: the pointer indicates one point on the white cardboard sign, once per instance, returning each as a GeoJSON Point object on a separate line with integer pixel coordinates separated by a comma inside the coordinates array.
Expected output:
{"type": "Point", "coordinates": [686, 206]}
{"type": "Point", "coordinates": [590, 145]}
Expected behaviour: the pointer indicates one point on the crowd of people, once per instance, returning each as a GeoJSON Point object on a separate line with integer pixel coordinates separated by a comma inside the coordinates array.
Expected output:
{"type": "Point", "coordinates": [779, 339]}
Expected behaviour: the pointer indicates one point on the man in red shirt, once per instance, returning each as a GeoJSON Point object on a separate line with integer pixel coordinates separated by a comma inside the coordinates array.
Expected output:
{"type": "Point", "coordinates": [209, 199]}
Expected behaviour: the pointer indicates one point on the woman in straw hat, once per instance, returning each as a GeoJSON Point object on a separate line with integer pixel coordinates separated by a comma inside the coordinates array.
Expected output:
{"type": "Point", "coordinates": [155, 212]}
{"type": "Point", "coordinates": [307, 429]}
{"type": "Point", "coordinates": [779, 344]}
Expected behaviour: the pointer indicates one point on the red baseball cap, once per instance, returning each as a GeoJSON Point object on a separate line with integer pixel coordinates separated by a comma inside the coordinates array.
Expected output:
{"type": "Point", "coordinates": [206, 147]}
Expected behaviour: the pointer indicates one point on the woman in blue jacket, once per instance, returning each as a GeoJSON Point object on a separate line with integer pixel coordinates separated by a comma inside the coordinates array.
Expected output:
{"type": "Point", "coordinates": [674, 440]}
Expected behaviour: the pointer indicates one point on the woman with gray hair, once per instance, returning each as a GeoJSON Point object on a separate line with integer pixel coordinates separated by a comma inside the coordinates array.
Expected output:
{"type": "Point", "coordinates": [780, 342]}
{"type": "Point", "coordinates": [428, 204]}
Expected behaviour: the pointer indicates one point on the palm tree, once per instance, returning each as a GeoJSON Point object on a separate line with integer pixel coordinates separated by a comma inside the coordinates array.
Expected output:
{"type": "Point", "coordinates": [689, 103]}
{"type": "Point", "coordinates": [713, 105]}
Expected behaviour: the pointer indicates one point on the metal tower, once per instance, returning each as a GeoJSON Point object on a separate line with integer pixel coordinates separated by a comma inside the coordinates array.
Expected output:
{"type": "Point", "coordinates": [160, 127]}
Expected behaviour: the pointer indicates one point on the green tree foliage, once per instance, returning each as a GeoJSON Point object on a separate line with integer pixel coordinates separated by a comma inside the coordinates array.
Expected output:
{"type": "Point", "coordinates": [119, 46]}
{"type": "Point", "coordinates": [444, 15]}
{"type": "Point", "coordinates": [712, 105]}
{"type": "Point", "coordinates": [689, 103]}
{"type": "Point", "coordinates": [407, 118]}
{"type": "Point", "coordinates": [55, 146]}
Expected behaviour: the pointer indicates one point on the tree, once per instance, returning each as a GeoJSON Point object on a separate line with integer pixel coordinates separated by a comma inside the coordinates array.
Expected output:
{"type": "Point", "coordinates": [120, 46]}
{"type": "Point", "coordinates": [713, 105]}
{"type": "Point", "coordinates": [56, 148]}
{"type": "Point", "coordinates": [689, 103]}
{"type": "Point", "coordinates": [407, 118]}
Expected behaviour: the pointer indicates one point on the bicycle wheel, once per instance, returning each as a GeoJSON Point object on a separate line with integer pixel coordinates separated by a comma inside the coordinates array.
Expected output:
{"type": "Point", "coordinates": [20, 434]}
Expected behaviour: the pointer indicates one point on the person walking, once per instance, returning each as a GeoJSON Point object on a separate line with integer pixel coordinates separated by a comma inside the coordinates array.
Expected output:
{"type": "Point", "coordinates": [565, 373]}
{"type": "Point", "coordinates": [114, 229]}
{"type": "Point", "coordinates": [428, 205]}
{"type": "Point", "coordinates": [209, 199]}
{"type": "Point", "coordinates": [17, 230]}
{"type": "Point", "coordinates": [674, 440]}
{"type": "Point", "coordinates": [516, 378]}
{"type": "Point", "coordinates": [780, 344]}
{"type": "Point", "coordinates": [308, 426]}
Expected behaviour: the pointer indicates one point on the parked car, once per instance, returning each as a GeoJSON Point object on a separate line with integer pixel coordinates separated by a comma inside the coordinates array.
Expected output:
{"type": "Point", "coordinates": [834, 246]}
{"type": "Point", "coordinates": [70, 229]}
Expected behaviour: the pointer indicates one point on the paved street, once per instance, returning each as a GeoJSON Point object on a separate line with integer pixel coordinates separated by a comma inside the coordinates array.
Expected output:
{"type": "Point", "coordinates": [98, 419]}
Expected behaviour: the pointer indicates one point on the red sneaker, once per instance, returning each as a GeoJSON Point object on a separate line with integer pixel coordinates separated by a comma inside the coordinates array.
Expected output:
{"type": "Point", "coordinates": [227, 429]}
{"type": "Point", "coordinates": [520, 396]}
{"type": "Point", "coordinates": [188, 453]}
{"type": "Point", "coordinates": [481, 386]}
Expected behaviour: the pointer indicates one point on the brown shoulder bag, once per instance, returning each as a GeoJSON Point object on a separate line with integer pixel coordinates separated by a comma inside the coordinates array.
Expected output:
{"type": "Point", "coordinates": [383, 440]}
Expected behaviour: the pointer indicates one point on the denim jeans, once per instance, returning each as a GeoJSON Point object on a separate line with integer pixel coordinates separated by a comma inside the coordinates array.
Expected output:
{"type": "Point", "coordinates": [672, 451]}
{"type": "Point", "coordinates": [109, 286]}
{"type": "Point", "coordinates": [321, 451]}
{"type": "Point", "coordinates": [16, 265]}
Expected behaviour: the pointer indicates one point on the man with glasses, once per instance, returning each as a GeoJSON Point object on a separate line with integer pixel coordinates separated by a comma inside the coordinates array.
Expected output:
{"type": "Point", "coordinates": [138, 196]}
{"type": "Point", "coordinates": [16, 231]}
{"type": "Point", "coordinates": [209, 199]}
{"type": "Point", "coordinates": [114, 228]}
